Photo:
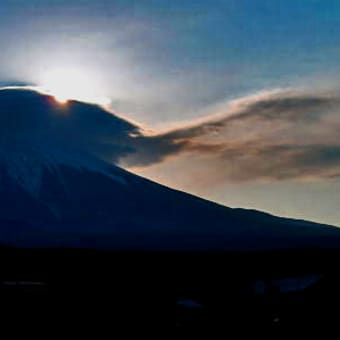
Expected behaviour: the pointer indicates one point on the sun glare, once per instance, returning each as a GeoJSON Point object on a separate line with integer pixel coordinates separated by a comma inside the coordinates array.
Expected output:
{"type": "Point", "coordinates": [71, 84]}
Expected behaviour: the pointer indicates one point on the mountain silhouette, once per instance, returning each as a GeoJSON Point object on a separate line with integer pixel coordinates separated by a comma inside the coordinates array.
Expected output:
{"type": "Point", "coordinates": [60, 187]}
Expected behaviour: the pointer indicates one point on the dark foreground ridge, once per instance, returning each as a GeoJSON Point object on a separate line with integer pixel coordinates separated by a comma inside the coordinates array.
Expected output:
{"type": "Point", "coordinates": [82, 291]}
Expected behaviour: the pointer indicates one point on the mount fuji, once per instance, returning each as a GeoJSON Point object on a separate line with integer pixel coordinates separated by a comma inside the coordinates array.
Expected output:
{"type": "Point", "coordinates": [59, 188]}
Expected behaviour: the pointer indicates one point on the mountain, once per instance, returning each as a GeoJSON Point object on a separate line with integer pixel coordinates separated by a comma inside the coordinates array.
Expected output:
{"type": "Point", "coordinates": [58, 189]}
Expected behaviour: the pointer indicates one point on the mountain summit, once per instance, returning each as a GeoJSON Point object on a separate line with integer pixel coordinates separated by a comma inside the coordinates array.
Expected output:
{"type": "Point", "coordinates": [59, 189]}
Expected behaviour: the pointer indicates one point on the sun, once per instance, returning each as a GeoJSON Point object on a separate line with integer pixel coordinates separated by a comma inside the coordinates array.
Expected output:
{"type": "Point", "coordinates": [61, 99]}
{"type": "Point", "coordinates": [66, 84]}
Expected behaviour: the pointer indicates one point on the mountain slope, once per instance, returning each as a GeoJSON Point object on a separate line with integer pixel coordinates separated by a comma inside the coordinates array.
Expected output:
{"type": "Point", "coordinates": [56, 191]}
{"type": "Point", "coordinates": [91, 208]}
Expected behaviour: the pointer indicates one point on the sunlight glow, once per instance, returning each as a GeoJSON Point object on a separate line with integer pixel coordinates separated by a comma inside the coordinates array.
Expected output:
{"type": "Point", "coordinates": [71, 84]}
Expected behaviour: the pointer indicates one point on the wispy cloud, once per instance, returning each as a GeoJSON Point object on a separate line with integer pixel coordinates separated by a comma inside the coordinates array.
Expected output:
{"type": "Point", "coordinates": [272, 135]}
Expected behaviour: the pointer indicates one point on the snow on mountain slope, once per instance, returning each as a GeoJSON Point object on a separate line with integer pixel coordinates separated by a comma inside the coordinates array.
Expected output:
{"type": "Point", "coordinates": [58, 189]}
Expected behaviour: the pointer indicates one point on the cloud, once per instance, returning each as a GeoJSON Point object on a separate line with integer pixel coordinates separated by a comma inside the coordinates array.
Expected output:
{"type": "Point", "coordinates": [31, 118]}
{"type": "Point", "coordinates": [273, 135]}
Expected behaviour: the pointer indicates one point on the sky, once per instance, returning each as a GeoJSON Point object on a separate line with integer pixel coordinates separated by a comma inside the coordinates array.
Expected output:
{"type": "Point", "coordinates": [239, 99]}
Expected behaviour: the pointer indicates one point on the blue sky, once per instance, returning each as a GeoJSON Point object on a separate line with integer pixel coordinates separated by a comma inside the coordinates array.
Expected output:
{"type": "Point", "coordinates": [165, 63]}
{"type": "Point", "coordinates": [214, 50]}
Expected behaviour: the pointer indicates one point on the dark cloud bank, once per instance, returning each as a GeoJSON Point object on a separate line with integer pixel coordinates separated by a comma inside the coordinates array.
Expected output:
{"type": "Point", "coordinates": [284, 134]}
